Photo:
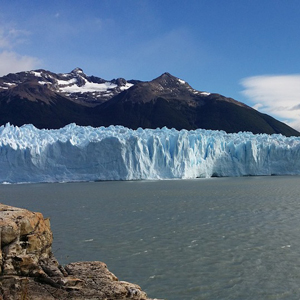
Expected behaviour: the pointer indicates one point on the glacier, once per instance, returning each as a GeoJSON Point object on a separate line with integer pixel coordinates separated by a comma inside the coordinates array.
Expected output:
{"type": "Point", "coordinates": [78, 153]}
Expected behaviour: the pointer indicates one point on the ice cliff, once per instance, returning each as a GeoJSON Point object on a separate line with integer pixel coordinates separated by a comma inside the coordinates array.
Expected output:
{"type": "Point", "coordinates": [76, 153]}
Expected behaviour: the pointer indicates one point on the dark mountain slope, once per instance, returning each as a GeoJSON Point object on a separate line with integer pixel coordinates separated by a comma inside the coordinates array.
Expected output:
{"type": "Point", "coordinates": [217, 114]}
{"type": "Point", "coordinates": [58, 113]}
{"type": "Point", "coordinates": [168, 101]}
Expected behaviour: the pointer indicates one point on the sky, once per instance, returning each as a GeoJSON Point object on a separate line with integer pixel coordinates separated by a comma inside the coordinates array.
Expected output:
{"type": "Point", "coordinates": [246, 50]}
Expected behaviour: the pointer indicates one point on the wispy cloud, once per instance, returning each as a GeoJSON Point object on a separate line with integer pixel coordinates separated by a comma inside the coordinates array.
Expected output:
{"type": "Point", "coordinates": [11, 37]}
{"type": "Point", "coordinates": [277, 95]}
{"type": "Point", "coordinates": [10, 60]}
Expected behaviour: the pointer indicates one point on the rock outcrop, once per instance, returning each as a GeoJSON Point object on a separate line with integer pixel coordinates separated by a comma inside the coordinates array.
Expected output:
{"type": "Point", "coordinates": [30, 271]}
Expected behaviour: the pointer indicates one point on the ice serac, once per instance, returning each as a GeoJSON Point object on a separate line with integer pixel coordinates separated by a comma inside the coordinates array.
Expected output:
{"type": "Point", "coordinates": [76, 153]}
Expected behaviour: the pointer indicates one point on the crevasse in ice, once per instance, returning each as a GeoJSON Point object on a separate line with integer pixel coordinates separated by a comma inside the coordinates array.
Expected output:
{"type": "Point", "coordinates": [76, 153]}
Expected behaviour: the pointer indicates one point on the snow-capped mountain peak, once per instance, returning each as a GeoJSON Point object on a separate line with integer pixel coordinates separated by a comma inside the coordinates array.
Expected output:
{"type": "Point", "coordinates": [77, 71]}
{"type": "Point", "coordinates": [76, 85]}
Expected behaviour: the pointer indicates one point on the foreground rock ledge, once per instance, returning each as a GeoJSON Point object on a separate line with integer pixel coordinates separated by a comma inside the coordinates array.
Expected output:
{"type": "Point", "coordinates": [30, 271]}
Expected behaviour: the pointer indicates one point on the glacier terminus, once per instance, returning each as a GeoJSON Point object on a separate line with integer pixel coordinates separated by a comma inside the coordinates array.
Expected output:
{"type": "Point", "coordinates": [79, 153]}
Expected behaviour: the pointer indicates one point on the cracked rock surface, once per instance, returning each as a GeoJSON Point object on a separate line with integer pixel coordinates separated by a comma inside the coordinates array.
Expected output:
{"type": "Point", "coordinates": [30, 271]}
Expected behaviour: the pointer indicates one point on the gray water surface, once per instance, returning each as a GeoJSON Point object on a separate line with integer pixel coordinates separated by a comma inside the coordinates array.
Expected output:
{"type": "Point", "coordinates": [219, 238]}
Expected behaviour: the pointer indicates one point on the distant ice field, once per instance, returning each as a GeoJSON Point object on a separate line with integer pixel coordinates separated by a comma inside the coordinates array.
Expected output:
{"type": "Point", "coordinates": [76, 153]}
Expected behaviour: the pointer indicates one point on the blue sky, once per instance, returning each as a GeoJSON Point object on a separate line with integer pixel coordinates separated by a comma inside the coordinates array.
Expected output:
{"type": "Point", "coordinates": [247, 50]}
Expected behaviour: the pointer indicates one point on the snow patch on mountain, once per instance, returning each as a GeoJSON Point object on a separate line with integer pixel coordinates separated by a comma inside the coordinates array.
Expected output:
{"type": "Point", "coordinates": [76, 153]}
{"type": "Point", "coordinates": [37, 74]}
{"type": "Point", "coordinates": [89, 86]}
{"type": "Point", "coordinates": [62, 83]}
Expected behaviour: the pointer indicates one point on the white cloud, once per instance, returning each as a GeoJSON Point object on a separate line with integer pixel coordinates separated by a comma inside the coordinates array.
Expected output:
{"type": "Point", "coordinates": [11, 62]}
{"type": "Point", "coordinates": [276, 95]}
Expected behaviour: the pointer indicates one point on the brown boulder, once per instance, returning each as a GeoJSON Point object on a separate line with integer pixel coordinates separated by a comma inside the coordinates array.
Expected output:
{"type": "Point", "coordinates": [30, 271]}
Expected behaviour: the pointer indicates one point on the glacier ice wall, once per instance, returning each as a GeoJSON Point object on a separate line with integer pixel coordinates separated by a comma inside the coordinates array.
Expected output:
{"type": "Point", "coordinates": [76, 153]}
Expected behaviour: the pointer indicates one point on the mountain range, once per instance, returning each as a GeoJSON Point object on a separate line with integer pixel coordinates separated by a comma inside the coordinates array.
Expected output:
{"type": "Point", "coordinates": [49, 100]}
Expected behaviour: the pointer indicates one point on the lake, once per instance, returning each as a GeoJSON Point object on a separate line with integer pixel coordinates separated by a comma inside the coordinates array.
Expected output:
{"type": "Point", "coordinates": [218, 238]}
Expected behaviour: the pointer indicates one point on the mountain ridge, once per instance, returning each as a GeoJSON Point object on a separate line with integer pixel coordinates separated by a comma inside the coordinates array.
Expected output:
{"type": "Point", "coordinates": [49, 100]}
